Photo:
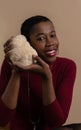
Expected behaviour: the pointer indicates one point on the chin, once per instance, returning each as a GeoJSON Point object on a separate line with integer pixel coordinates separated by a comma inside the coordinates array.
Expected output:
{"type": "Point", "coordinates": [50, 60]}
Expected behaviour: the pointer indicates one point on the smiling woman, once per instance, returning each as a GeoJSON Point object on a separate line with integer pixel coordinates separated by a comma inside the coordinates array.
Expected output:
{"type": "Point", "coordinates": [43, 37]}
{"type": "Point", "coordinates": [37, 96]}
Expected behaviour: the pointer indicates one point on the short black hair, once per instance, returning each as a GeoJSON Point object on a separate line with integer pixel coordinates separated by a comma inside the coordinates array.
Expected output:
{"type": "Point", "coordinates": [28, 24]}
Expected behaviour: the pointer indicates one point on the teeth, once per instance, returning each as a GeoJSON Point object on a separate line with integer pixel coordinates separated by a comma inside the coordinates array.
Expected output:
{"type": "Point", "coordinates": [49, 52]}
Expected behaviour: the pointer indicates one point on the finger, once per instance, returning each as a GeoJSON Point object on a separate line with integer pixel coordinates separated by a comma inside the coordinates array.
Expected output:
{"type": "Point", "coordinates": [8, 48]}
{"type": "Point", "coordinates": [9, 53]}
{"type": "Point", "coordinates": [20, 65]}
{"type": "Point", "coordinates": [40, 61]}
{"type": "Point", "coordinates": [8, 59]}
{"type": "Point", "coordinates": [8, 41]}
{"type": "Point", "coordinates": [33, 67]}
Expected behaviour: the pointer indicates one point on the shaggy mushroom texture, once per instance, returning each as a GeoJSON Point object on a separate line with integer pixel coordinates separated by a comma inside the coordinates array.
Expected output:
{"type": "Point", "coordinates": [22, 51]}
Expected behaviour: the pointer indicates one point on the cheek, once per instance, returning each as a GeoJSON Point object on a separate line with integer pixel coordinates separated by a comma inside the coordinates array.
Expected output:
{"type": "Point", "coordinates": [39, 46]}
{"type": "Point", "coordinates": [57, 41]}
{"type": "Point", "coordinates": [39, 49]}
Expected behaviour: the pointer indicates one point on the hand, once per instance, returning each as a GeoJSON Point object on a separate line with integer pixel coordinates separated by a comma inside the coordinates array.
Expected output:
{"type": "Point", "coordinates": [41, 67]}
{"type": "Point", "coordinates": [7, 48]}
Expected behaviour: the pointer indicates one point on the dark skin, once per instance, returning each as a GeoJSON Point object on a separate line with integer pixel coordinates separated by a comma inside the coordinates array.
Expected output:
{"type": "Point", "coordinates": [43, 38]}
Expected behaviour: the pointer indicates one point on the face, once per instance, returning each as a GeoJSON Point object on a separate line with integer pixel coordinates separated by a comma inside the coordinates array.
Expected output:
{"type": "Point", "coordinates": [43, 38]}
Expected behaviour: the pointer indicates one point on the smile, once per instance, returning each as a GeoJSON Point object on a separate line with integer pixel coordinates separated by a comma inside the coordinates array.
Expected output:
{"type": "Point", "coordinates": [51, 53]}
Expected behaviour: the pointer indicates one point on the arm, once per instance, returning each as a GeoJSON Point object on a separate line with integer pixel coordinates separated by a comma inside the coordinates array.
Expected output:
{"type": "Point", "coordinates": [48, 92]}
{"type": "Point", "coordinates": [9, 88]}
{"type": "Point", "coordinates": [56, 103]}
{"type": "Point", "coordinates": [43, 69]}
{"type": "Point", "coordinates": [10, 95]}
{"type": "Point", "coordinates": [56, 113]}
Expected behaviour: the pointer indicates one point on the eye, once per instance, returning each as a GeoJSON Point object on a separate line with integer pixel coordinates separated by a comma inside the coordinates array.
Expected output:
{"type": "Point", "coordinates": [53, 35]}
{"type": "Point", "coordinates": [42, 38]}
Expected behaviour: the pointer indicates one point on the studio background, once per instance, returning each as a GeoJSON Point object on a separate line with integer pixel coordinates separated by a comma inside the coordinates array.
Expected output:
{"type": "Point", "coordinates": [66, 15]}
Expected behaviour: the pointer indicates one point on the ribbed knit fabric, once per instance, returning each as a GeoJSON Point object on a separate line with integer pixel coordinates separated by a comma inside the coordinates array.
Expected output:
{"type": "Point", "coordinates": [51, 116]}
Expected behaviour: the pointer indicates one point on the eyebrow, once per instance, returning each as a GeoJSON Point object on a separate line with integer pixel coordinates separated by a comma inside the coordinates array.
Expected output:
{"type": "Point", "coordinates": [43, 33]}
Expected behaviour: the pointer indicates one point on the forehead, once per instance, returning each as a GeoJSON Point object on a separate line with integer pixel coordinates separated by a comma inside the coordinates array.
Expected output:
{"type": "Point", "coordinates": [43, 27]}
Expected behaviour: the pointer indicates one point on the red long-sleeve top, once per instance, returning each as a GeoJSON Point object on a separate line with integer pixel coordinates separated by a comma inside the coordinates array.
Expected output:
{"type": "Point", "coordinates": [47, 117]}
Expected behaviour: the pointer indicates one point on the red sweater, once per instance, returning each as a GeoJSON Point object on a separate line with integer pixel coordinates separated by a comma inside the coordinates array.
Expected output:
{"type": "Point", "coordinates": [51, 116]}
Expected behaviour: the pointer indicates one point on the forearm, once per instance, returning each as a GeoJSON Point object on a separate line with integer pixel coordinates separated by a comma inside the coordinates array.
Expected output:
{"type": "Point", "coordinates": [10, 94]}
{"type": "Point", "coordinates": [48, 91]}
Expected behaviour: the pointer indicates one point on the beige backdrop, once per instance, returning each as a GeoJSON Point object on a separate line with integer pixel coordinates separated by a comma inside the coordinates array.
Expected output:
{"type": "Point", "coordinates": [67, 17]}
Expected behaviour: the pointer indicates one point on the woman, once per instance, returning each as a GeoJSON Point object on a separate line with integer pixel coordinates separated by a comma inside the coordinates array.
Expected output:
{"type": "Point", "coordinates": [37, 97]}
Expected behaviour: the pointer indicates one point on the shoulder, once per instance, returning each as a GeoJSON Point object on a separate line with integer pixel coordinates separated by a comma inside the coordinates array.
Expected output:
{"type": "Point", "coordinates": [65, 61]}
{"type": "Point", "coordinates": [65, 65]}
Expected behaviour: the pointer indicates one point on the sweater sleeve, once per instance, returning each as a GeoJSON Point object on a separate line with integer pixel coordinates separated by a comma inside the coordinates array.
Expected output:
{"type": "Point", "coordinates": [5, 112]}
{"type": "Point", "coordinates": [56, 113]}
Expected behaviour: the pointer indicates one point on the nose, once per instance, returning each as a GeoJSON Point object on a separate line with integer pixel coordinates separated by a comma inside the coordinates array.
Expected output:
{"type": "Point", "coordinates": [49, 41]}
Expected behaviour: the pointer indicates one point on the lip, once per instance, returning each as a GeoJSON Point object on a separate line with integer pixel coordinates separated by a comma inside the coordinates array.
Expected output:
{"type": "Point", "coordinates": [51, 53]}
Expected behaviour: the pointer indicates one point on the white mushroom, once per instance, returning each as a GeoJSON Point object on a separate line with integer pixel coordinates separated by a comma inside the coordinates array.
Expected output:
{"type": "Point", "coordinates": [22, 51]}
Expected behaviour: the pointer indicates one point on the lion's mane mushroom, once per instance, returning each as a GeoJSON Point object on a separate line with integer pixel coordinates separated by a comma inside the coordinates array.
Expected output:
{"type": "Point", "coordinates": [22, 51]}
